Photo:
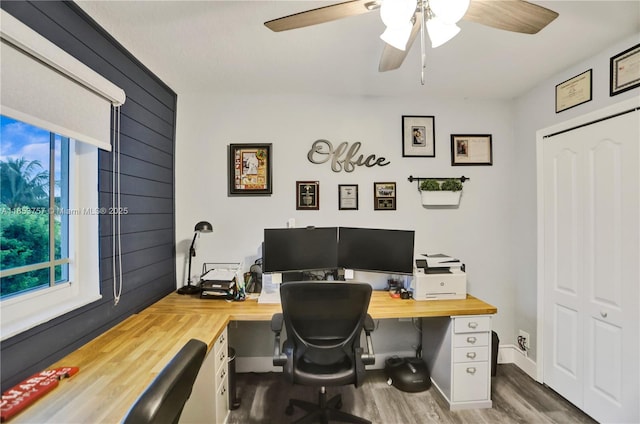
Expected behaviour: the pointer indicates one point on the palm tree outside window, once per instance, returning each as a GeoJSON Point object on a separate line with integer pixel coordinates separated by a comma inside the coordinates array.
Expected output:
{"type": "Point", "coordinates": [34, 208]}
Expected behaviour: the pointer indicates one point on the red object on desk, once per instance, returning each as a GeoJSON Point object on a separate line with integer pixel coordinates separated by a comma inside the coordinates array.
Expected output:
{"type": "Point", "coordinates": [33, 388]}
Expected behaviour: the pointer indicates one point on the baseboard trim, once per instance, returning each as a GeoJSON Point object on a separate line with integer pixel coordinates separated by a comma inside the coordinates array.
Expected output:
{"type": "Point", "coordinates": [511, 354]}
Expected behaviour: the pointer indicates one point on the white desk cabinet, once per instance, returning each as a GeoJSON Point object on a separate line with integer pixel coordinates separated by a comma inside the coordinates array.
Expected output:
{"type": "Point", "coordinates": [209, 401]}
{"type": "Point", "coordinates": [457, 351]}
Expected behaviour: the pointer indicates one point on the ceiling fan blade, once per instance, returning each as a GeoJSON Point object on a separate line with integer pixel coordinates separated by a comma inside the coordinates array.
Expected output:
{"type": "Point", "coordinates": [510, 15]}
{"type": "Point", "coordinates": [391, 57]}
{"type": "Point", "coordinates": [322, 15]}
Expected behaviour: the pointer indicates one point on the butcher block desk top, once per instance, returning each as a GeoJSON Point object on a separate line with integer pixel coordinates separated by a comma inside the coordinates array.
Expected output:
{"type": "Point", "coordinates": [117, 366]}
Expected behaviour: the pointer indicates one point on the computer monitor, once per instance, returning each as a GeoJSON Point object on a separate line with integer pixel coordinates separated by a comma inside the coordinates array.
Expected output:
{"type": "Point", "coordinates": [377, 250]}
{"type": "Point", "coordinates": [300, 249]}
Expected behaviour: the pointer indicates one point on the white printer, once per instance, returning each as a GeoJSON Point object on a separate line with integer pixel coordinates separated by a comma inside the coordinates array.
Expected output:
{"type": "Point", "coordinates": [439, 283]}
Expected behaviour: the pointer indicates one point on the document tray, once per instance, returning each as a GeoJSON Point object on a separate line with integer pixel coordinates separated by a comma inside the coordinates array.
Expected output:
{"type": "Point", "coordinates": [212, 289]}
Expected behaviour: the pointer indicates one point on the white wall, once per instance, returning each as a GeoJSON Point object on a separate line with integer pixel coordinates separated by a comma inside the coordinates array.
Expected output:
{"type": "Point", "coordinates": [493, 231]}
{"type": "Point", "coordinates": [534, 111]}
{"type": "Point", "coordinates": [477, 232]}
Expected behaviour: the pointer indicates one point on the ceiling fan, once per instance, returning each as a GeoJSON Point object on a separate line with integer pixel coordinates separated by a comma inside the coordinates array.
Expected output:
{"type": "Point", "coordinates": [406, 18]}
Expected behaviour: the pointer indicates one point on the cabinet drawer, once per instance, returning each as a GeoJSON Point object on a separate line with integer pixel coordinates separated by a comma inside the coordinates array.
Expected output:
{"type": "Point", "coordinates": [221, 358]}
{"type": "Point", "coordinates": [470, 381]}
{"type": "Point", "coordinates": [471, 339]}
{"type": "Point", "coordinates": [472, 324]}
{"type": "Point", "coordinates": [471, 354]}
{"type": "Point", "coordinates": [221, 376]}
{"type": "Point", "coordinates": [221, 352]}
{"type": "Point", "coordinates": [221, 341]}
{"type": "Point", "coordinates": [222, 403]}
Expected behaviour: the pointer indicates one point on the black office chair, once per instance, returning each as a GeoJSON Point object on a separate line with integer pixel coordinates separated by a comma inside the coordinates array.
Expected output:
{"type": "Point", "coordinates": [324, 322]}
{"type": "Point", "coordinates": [162, 402]}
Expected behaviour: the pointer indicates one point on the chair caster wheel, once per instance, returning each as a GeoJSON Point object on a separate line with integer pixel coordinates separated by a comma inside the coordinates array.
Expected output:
{"type": "Point", "coordinates": [289, 410]}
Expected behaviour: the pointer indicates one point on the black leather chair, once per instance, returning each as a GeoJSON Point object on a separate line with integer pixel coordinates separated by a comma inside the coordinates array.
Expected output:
{"type": "Point", "coordinates": [323, 322]}
{"type": "Point", "coordinates": [162, 402]}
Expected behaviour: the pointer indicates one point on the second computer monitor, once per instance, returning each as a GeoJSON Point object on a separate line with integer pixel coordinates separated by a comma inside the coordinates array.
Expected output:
{"type": "Point", "coordinates": [377, 250]}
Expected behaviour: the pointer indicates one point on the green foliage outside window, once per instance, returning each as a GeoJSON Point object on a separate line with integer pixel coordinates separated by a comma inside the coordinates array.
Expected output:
{"type": "Point", "coordinates": [24, 224]}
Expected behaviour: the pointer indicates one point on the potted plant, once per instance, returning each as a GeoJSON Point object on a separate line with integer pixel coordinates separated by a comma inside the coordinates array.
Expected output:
{"type": "Point", "coordinates": [446, 194]}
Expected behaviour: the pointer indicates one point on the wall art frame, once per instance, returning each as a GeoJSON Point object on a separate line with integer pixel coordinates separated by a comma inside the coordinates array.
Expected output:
{"type": "Point", "coordinates": [471, 149]}
{"type": "Point", "coordinates": [348, 197]}
{"type": "Point", "coordinates": [307, 195]}
{"type": "Point", "coordinates": [418, 136]}
{"type": "Point", "coordinates": [574, 91]}
{"type": "Point", "coordinates": [250, 169]}
{"type": "Point", "coordinates": [624, 71]}
{"type": "Point", "coordinates": [384, 196]}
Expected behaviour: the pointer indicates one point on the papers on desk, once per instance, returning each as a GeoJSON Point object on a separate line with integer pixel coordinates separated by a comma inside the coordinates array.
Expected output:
{"type": "Point", "coordinates": [219, 274]}
{"type": "Point", "coordinates": [270, 288]}
{"type": "Point", "coordinates": [273, 297]}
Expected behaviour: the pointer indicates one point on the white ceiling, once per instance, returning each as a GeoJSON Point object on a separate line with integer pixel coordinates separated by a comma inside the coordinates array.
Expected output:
{"type": "Point", "coordinates": [223, 46]}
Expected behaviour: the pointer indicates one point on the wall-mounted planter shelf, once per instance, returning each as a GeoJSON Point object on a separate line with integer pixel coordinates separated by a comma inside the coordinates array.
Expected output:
{"type": "Point", "coordinates": [438, 198]}
{"type": "Point", "coordinates": [441, 198]}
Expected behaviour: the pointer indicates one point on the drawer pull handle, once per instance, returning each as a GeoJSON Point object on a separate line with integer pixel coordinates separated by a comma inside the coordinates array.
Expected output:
{"type": "Point", "coordinates": [223, 375]}
{"type": "Point", "coordinates": [222, 339]}
{"type": "Point", "coordinates": [473, 324]}
{"type": "Point", "coordinates": [603, 314]}
{"type": "Point", "coordinates": [222, 355]}
{"type": "Point", "coordinates": [471, 340]}
{"type": "Point", "coordinates": [471, 355]}
{"type": "Point", "coordinates": [471, 370]}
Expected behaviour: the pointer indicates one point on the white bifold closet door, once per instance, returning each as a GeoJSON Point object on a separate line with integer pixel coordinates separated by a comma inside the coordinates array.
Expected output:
{"type": "Point", "coordinates": [591, 192]}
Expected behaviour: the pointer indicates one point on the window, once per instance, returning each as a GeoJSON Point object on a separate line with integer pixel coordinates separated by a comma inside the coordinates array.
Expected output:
{"type": "Point", "coordinates": [34, 204]}
{"type": "Point", "coordinates": [47, 91]}
{"type": "Point", "coordinates": [48, 225]}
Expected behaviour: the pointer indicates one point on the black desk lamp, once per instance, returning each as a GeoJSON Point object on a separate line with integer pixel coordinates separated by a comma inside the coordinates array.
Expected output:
{"type": "Point", "coordinates": [201, 227]}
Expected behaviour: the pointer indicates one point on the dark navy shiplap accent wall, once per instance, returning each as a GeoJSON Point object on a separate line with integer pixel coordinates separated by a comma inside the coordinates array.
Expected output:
{"type": "Point", "coordinates": [147, 187]}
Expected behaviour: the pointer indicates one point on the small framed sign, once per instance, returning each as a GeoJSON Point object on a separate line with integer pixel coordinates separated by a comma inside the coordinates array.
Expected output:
{"type": "Point", "coordinates": [418, 136]}
{"type": "Point", "coordinates": [384, 196]}
{"type": "Point", "coordinates": [625, 71]}
{"type": "Point", "coordinates": [574, 91]}
{"type": "Point", "coordinates": [471, 149]}
{"type": "Point", "coordinates": [348, 197]}
{"type": "Point", "coordinates": [307, 195]}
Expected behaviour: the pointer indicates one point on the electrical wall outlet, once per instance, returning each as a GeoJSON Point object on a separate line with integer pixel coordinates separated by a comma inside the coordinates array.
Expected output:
{"type": "Point", "coordinates": [524, 340]}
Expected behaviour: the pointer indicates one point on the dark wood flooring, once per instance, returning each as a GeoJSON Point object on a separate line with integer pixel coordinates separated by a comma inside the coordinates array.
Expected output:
{"type": "Point", "coordinates": [517, 398]}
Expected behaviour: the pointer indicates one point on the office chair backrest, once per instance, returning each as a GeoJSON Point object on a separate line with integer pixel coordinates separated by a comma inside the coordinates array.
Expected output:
{"type": "Point", "coordinates": [324, 319]}
{"type": "Point", "coordinates": [162, 402]}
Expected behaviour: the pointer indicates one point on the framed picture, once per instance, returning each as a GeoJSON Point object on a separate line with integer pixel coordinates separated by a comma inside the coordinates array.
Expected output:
{"type": "Point", "coordinates": [348, 197]}
{"type": "Point", "coordinates": [471, 149]}
{"type": "Point", "coordinates": [418, 136]}
{"type": "Point", "coordinates": [625, 71]}
{"type": "Point", "coordinates": [307, 195]}
{"type": "Point", "coordinates": [574, 91]}
{"type": "Point", "coordinates": [384, 196]}
{"type": "Point", "coordinates": [250, 169]}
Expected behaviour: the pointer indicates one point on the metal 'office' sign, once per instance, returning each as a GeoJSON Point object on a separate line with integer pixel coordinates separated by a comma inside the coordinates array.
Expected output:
{"type": "Point", "coordinates": [344, 157]}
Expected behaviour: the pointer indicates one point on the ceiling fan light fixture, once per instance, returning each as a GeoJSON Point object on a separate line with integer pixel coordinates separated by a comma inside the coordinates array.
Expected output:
{"type": "Point", "coordinates": [449, 11]}
{"type": "Point", "coordinates": [397, 36]}
{"type": "Point", "coordinates": [397, 12]}
{"type": "Point", "coordinates": [441, 32]}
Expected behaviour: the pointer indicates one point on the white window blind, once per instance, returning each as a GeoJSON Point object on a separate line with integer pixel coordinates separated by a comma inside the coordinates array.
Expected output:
{"type": "Point", "coordinates": [44, 86]}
